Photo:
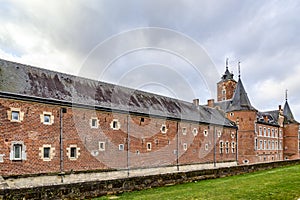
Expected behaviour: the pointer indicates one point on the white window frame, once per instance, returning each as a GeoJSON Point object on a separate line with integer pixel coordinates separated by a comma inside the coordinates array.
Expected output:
{"type": "Point", "coordinates": [261, 145]}
{"type": "Point", "coordinates": [184, 146]}
{"type": "Point", "coordinates": [51, 152]}
{"type": "Point", "coordinates": [15, 110]}
{"type": "Point", "coordinates": [121, 147]}
{"type": "Point", "coordinates": [149, 146]}
{"type": "Point", "coordinates": [206, 147]}
{"type": "Point", "coordinates": [77, 153]}
{"type": "Point", "coordinates": [232, 135]}
{"type": "Point", "coordinates": [260, 131]}
{"type": "Point", "coordinates": [51, 118]}
{"type": "Point", "coordinates": [163, 128]}
{"type": "Point", "coordinates": [221, 143]}
{"type": "Point", "coordinates": [205, 133]}
{"type": "Point", "coordinates": [219, 133]}
{"type": "Point", "coordinates": [101, 146]}
{"type": "Point", "coordinates": [94, 122]}
{"type": "Point", "coordinates": [232, 147]}
{"type": "Point", "coordinates": [195, 131]}
{"type": "Point", "coordinates": [227, 147]}
{"type": "Point", "coordinates": [22, 152]}
{"type": "Point", "coordinates": [184, 130]}
{"type": "Point", "coordinates": [115, 124]}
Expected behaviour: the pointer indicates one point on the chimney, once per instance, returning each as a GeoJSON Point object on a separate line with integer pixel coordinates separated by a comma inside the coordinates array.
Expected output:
{"type": "Point", "coordinates": [196, 102]}
{"type": "Point", "coordinates": [266, 119]}
{"type": "Point", "coordinates": [279, 107]}
{"type": "Point", "coordinates": [211, 103]}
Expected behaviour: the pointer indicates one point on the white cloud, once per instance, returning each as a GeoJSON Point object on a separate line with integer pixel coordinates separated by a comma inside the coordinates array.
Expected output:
{"type": "Point", "coordinates": [263, 35]}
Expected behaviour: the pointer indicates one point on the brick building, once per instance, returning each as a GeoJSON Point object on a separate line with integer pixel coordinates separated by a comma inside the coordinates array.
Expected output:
{"type": "Point", "coordinates": [262, 136]}
{"type": "Point", "coordinates": [55, 123]}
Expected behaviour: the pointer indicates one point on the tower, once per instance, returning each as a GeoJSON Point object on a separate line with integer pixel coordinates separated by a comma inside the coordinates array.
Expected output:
{"type": "Point", "coordinates": [291, 133]}
{"type": "Point", "coordinates": [227, 85]}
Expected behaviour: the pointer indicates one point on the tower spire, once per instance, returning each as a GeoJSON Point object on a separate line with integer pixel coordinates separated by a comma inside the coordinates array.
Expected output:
{"type": "Point", "coordinates": [226, 63]}
{"type": "Point", "coordinates": [239, 69]}
{"type": "Point", "coordinates": [286, 94]}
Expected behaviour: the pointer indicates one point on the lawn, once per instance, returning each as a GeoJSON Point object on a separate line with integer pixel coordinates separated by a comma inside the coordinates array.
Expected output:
{"type": "Point", "coordinates": [280, 183]}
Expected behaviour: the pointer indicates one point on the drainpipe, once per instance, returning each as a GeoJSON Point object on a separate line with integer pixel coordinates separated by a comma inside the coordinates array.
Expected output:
{"type": "Point", "coordinates": [128, 148]}
{"type": "Point", "coordinates": [61, 111]}
{"type": "Point", "coordinates": [177, 141]}
{"type": "Point", "coordinates": [236, 146]}
{"type": "Point", "coordinates": [215, 144]}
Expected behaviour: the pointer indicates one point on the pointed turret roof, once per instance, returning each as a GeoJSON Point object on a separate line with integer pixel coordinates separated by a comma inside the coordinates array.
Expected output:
{"type": "Point", "coordinates": [227, 75]}
{"type": "Point", "coordinates": [287, 112]}
{"type": "Point", "coordinates": [240, 100]}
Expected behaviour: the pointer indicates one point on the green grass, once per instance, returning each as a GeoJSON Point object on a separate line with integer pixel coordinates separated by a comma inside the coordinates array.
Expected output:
{"type": "Point", "coordinates": [280, 183]}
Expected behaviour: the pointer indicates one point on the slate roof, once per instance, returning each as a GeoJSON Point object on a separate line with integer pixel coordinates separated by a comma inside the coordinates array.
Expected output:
{"type": "Point", "coordinates": [287, 112]}
{"type": "Point", "coordinates": [227, 76]}
{"type": "Point", "coordinates": [272, 117]}
{"type": "Point", "coordinates": [240, 100]}
{"type": "Point", "coordinates": [33, 82]}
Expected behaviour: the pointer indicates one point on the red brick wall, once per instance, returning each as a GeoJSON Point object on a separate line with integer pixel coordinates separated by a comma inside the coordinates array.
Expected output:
{"type": "Point", "coordinates": [229, 87]}
{"type": "Point", "coordinates": [291, 141]}
{"type": "Point", "coordinates": [77, 131]}
{"type": "Point", "coordinates": [245, 121]}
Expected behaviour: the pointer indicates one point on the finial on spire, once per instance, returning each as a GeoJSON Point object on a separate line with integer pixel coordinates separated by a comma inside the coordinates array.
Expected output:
{"type": "Point", "coordinates": [239, 69]}
{"type": "Point", "coordinates": [286, 94]}
{"type": "Point", "coordinates": [226, 63]}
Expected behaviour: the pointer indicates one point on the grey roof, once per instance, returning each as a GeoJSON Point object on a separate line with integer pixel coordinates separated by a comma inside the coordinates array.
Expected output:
{"type": "Point", "coordinates": [40, 83]}
{"type": "Point", "coordinates": [272, 117]}
{"type": "Point", "coordinates": [240, 100]}
{"type": "Point", "coordinates": [227, 76]}
{"type": "Point", "coordinates": [287, 112]}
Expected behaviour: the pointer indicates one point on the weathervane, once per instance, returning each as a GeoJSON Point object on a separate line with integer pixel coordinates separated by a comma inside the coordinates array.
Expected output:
{"type": "Point", "coordinates": [286, 94]}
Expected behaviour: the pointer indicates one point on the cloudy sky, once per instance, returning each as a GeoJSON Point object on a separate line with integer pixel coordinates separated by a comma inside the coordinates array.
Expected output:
{"type": "Point", "coordinates": [176, 48]}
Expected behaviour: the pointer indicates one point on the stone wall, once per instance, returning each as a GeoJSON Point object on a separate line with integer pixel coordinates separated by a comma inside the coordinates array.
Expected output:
{"type": "Point", "coordinates": [99, 188]}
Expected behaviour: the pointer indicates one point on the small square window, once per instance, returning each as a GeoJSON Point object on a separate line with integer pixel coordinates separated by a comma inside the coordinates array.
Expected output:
{"type": "Point", "coordinates": [163, 128]}
{"type": "Point", "coordinates": [121, 147]}
{"type": "Point", "coordinates": [73, 152]}
{"type": "Point", "coordinates": [206, 147]}
{"type": "Point", "coordinates": [102, 146]}
{"type": "Point", "coordinates": [115, 124]}
{"type": "Point", "coordinates": [94, 123]}
{"type": "Point", "coordinates": [184, 146]}
{"type": "Point", "coordinates": [149, 146]}
{"type": "Point", "coordinates": [195, 131]}
{"type": "Point", "coordinates": [184, 130]}
{"type": "Point", "coordinates": [47, 119]}
{"type": "Point", "coordinates": [15, 115]}
{"type": "Point", "coordinates": [47, 152]}
{"type": "Point", "coordinates": [219, 133]}
{"type": "Point", "coordinates": [142, 119]}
